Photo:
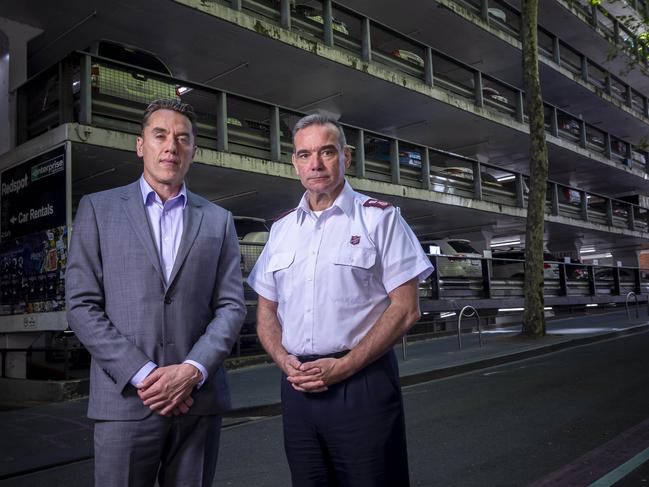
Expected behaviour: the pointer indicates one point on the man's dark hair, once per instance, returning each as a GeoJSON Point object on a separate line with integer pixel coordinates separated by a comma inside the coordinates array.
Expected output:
{"type": "Point", "coordinates": [317, 119]}
{"type": "Point", "coordinates": [169, 104]}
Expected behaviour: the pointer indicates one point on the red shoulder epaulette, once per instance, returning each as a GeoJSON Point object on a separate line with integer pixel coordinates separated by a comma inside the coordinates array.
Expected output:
{"type": "Point", "coordinates": [377, 204]}
{"type": "Point", "coordinates": [279, 217]}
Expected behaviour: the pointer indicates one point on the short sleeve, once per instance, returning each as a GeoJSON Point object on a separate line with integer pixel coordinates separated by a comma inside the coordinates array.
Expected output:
{"type": "Point", "coordinates": [260, 279]}
{"type": "Point", "coordinates": [402, 257]}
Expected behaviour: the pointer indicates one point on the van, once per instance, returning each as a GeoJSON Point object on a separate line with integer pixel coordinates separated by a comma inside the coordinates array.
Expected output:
{"type": "Point", "coordinates": [125, 83]}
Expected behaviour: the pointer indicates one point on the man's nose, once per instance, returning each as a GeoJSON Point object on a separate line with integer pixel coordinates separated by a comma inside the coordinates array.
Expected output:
{"type": "Point", "coordinates": [315, 162]}
{"type": "Point", "coordinates": [171, 145]}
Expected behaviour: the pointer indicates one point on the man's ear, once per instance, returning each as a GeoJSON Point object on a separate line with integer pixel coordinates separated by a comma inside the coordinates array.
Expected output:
{"type": "Point", "coordinates": [348, 157]}
{"type": "Point", "coordinates": [138, 146]}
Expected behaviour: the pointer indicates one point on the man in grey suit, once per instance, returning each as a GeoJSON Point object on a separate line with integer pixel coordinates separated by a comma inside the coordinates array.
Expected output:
{"type": "Point", "coordinates": [154, 292]}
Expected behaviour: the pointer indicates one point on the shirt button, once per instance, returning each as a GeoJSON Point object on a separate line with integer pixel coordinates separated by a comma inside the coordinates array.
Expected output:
{"type": "Point", "coordinates": [167, 300]}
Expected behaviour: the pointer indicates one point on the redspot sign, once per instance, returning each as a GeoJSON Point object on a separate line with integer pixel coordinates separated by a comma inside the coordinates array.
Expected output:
{"type": "Point", "coordinates": [33, 195]}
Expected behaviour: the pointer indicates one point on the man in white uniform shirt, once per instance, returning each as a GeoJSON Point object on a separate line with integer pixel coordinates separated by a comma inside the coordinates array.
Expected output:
{"type": "Point", "coordinates": [337, 285]}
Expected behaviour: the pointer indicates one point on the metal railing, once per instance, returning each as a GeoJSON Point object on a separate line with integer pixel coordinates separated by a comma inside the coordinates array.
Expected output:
{"type": "Point", "coordinates": [69, 92]}
{"type": "Point", "coordinates": [614, 30]}
{"type": "Point", "coordinates": [371, 40]}
{"type": "Point", "coordinates": [472, 278]}
{"type": "Point", "coordinates": [502, 16]}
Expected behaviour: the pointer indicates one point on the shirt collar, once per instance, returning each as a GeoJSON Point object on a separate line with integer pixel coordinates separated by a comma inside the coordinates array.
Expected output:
{"type": "Point", "coordinates": [344, 201]}
{"type": "Point", "coordinates": [149, 194]}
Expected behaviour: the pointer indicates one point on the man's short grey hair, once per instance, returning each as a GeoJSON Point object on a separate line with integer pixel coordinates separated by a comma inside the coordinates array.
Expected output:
{"type": "Point", "coordinates": [170, 104]}
{"type": "Point", "coordinates": [317, 119]}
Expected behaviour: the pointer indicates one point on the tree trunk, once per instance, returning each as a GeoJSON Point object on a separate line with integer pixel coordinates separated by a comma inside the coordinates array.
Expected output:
{"type": "Point", "coordinates": [533, 317]}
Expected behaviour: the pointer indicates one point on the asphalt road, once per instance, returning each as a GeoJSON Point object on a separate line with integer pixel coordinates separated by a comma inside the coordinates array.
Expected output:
{"type": "Point", "coordinates": [505, 426]}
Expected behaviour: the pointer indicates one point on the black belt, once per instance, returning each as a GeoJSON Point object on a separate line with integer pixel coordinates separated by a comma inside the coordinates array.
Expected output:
{"type": "Point", "coordinates": [311, 358]}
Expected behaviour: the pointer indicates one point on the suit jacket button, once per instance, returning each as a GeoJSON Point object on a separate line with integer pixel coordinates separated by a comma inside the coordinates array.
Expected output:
{"type": "Point", "coordinates": [167, 300]}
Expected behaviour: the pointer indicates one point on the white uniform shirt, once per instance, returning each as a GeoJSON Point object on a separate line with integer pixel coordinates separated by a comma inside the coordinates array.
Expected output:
{"type": "Point", "coordinates": [331, 275]}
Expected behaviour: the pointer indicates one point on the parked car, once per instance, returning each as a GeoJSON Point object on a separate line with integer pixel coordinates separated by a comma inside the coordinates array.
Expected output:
{"type": "Point", "coordinates": [129, 84]}
{"type": "Point", "coordinates": [498, 14]}
{"type": "Point", "coordinates": [626, 274]}
{"type": "Point", "coordinates": [599, 203]}
{"type": "Point", "coordinates": [508, 264]}
{"type": "Point", "coordinates": [450, 180]}
{"type": "Point", "coordinates": [457, 257]}
{"type": "Point", "coordinates": [379, 149]}
{"type": "Point", "coordinates": [493, 94]}
{"type": "Point", "coordinates": [409, 56]}
{"type": "Point", "coordinates": [315, 15]}
{"type": "Point", "coordinates": [253, 235]}
{"type": "Point", "coordinates": [569, 124]}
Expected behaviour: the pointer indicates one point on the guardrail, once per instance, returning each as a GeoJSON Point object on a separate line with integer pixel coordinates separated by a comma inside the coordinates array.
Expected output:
{"type": "Point", "coordinates": [77, 89]}
{"type": "Point", "coordinates": [614, 30]}
{"type": "Point", "coordinates": [342, 27]}
{"type": "Point", "coordinates": [361, 36]}
{"type": "Point", "coordinates": [502, 16]}
{"type": "Point", "coordinates": [479, 278]}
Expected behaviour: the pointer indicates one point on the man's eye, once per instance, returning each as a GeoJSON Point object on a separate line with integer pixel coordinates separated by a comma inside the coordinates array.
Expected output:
{"type": "Point", "coordinates": [303, 155]}
{"type": "Point", "coordinates": [183, 140]}
{"type": "Point", "coordinates": [327, 153]}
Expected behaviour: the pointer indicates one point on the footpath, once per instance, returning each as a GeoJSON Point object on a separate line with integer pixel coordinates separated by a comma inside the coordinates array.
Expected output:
{"type": "Point", "coordinates": [44, 436]}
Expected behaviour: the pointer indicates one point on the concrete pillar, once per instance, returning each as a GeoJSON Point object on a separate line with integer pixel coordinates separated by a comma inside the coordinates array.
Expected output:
{"type": "Point", "coordinates": [13, 72]}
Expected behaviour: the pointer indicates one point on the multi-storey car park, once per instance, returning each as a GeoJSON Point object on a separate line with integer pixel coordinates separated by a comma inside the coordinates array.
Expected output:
{"type": "Point", "coordinates": [430, 95]}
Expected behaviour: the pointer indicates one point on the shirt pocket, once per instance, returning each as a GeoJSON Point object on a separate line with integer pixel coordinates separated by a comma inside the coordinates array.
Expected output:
{"type": "Point", "coordinates": [282, 266]}
{"type": "Point", "coordinates": [353, 269]}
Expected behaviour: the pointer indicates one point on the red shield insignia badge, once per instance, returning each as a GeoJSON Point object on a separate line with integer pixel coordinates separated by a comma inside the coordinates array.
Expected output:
{"type": "Point", "coordinates": [355, 240]}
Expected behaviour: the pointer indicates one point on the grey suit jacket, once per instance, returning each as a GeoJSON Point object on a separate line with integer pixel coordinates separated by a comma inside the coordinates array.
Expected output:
{"type": "Point", "coordinates": [123, 312]}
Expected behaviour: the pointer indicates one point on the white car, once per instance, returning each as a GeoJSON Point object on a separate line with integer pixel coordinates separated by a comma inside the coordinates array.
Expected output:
{"type": "Point", "coordinates": [511, 264]}
{"type": "Point", "coordinates": [456, 257]}
{"type": "Point", "coordinates": [125, 84]}
{"type": "Point", "coordinates": [253, 235]}
{"type": "Point", "coordinates": [409, 56]}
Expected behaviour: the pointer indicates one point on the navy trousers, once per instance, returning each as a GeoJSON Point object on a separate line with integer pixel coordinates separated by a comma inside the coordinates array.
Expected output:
{"type": "Point", "coordinates": [352, 435]}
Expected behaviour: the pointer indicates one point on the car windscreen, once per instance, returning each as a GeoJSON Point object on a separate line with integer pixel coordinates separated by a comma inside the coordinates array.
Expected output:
{"type": "Point", "coordinates": [131, 56]}
{"type": "Point", "coordinates": [462, 247]}
{"type": "Point", "coordinates": [246, 226]}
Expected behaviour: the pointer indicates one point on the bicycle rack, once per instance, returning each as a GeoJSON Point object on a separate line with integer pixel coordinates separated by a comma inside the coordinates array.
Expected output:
{"type": "Point", "coordinates": [629, 295]}
{"type": "Point", "coordinates": [459, 324]}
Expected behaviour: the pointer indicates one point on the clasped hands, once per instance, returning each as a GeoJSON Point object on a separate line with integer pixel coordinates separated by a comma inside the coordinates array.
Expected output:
{"type": "Point", "coordinates": [314, 376]}
{"type": "Point", "coordinates": [167, 390]}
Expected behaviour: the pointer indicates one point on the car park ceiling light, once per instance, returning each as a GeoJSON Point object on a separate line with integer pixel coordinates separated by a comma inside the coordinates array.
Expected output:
{"type": "Point", "coordinates": [505, 243]}
{"type": "Point", "coordinates": [504, 310]}
{"type": "Point", "coordinates": [592, 305]}
{"type": "Point", "coordinates": [447, 315]}
{"type": "Point", "coordinates": [606, 255]}
{"type": "Point", "coordinates": [509, 177]}
{"type": "Point", "coordinates": [587, 249]}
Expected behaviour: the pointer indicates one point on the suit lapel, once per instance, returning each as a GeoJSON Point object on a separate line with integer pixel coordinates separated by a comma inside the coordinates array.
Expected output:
{"type": "Point", "coordinates": [191, 225]}
{"type": "Point", "coordinates": [134, 209]}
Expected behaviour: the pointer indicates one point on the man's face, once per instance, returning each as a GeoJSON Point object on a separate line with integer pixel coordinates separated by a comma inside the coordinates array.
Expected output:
{"type": "Point", "coordinates": [167, 148]}
{"type": "Point", "coordinates": [319, 160]}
